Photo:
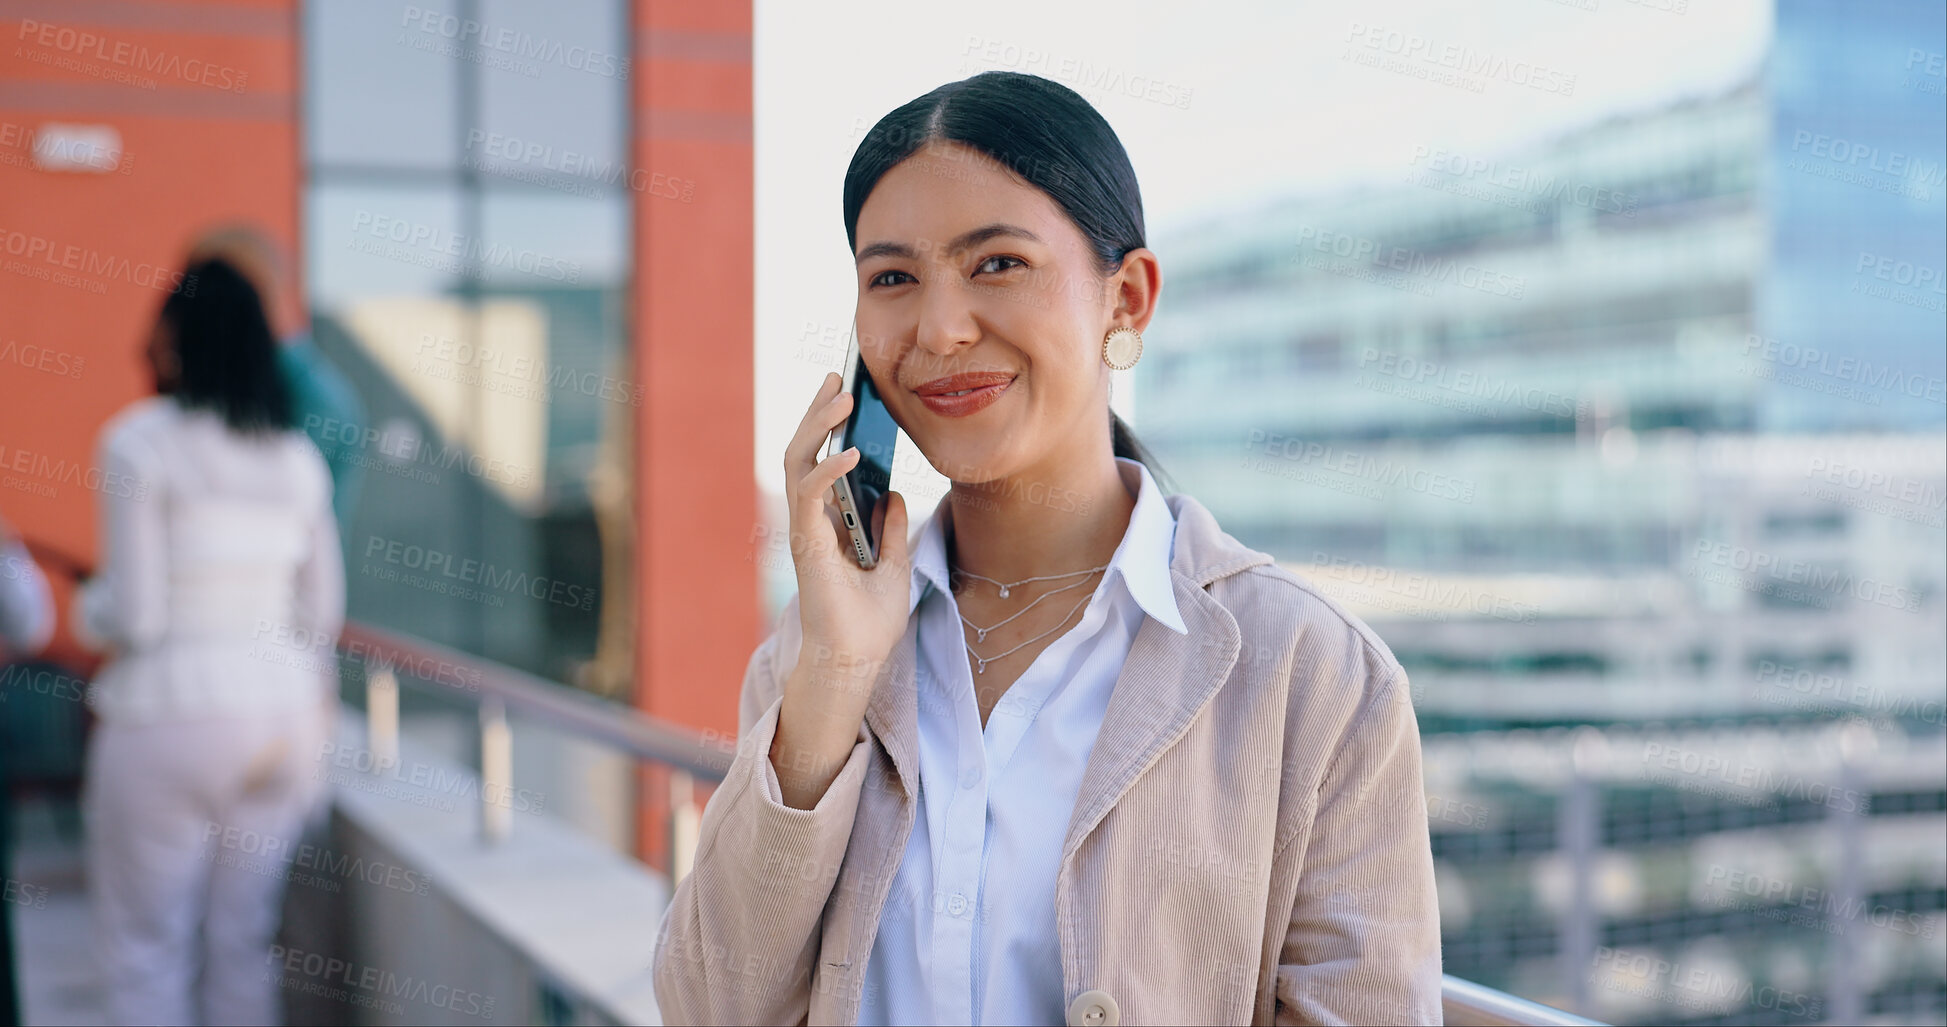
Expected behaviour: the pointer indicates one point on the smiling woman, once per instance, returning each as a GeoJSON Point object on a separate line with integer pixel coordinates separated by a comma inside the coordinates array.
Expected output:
{"type": "Point", "coordinates": [1083, 760]}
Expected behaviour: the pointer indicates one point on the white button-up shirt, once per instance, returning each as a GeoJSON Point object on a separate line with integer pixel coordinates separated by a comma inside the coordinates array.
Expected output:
{"type": "Point", "coordinates": [968, 933]}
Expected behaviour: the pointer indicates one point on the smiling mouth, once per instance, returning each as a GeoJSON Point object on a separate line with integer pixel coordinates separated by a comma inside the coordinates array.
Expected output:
{"type": "Point", "coordinates": [977, 393]}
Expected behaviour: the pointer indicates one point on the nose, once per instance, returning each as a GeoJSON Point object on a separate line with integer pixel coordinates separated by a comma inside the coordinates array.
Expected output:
{"type": "Point", "coordinates": [946, 321]}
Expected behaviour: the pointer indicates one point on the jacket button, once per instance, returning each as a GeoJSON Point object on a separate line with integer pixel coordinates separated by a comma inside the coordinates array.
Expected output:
{"type": "Point", "coordinates": [1094, 1008]}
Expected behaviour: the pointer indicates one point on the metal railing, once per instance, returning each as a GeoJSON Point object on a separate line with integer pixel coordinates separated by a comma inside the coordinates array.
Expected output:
{"type": "Point", "coordinates": [1463, 1002]}
{"type": "Point", "coordinates": [690, 755]}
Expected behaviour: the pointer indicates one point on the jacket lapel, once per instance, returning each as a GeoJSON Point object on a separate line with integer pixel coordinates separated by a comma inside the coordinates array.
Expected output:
{"type": "Point", "coordinates": [1167, 677]}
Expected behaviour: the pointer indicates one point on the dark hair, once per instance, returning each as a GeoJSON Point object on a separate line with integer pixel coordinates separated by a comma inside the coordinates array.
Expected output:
{"type": "Point", "coordinates": [226, 355]}
{"type": "Point", "coordinates": [1043, 132]}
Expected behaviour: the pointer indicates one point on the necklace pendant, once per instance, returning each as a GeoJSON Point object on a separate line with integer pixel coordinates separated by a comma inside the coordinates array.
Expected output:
{"type": "Point", "coordinates": [980, 634]}
{"type": "Point", "coordinates": [983, 666]}
{"type": "Point", "coordinates": [1003, 591]}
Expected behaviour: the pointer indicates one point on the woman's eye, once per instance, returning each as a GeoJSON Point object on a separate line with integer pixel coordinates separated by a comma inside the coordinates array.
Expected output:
{"type": "Point", "coordinates": [880, 278]}
{"type": "Point", "coordinates": [988, 264]}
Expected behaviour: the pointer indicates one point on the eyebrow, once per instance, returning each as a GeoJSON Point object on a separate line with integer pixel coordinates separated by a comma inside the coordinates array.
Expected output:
{"type": "Point", "coordinates": [973, 237]}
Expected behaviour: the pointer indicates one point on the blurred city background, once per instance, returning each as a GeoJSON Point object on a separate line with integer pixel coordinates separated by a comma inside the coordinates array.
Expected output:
{"type": "Point", "coordinates": [1591, 350]}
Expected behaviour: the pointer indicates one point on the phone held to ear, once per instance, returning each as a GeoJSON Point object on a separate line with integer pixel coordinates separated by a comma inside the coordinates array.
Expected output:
{"type": "Point", "coordinates": [871, 428]}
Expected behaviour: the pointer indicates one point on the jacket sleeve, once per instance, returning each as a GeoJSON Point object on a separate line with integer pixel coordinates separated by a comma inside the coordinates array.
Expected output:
{"type": "Point", "coordinates": [739, 941]}
{"type": "Point", "coordinates": [124, 606]}
{"type": "Point", "coordinates": [1363, 944]}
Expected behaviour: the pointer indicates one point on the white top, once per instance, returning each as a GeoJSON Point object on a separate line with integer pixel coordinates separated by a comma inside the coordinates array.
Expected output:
{"type": "Point", "coordinates": [221, 587]}
{"type": "Point", "coordinates": [26, 605]}
{"type": "Point", "coordinates": [968, 933]}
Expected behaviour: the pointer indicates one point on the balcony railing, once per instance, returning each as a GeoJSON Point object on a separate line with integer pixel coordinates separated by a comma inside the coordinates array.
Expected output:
{"type": "Point", "coordinates": [387, 658]}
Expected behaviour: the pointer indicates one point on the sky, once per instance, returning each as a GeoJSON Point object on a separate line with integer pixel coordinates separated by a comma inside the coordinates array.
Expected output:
{"type": "Point", "coordinates": [1240, 103]}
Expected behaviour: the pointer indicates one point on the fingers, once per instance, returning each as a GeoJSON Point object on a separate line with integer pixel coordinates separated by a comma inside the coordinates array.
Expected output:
{"type": "Point", "coordinates": [809, 498]}
{"type": "Point", "coordinates": [892, 532]}
{"type": "Point", "coordinates": [828, 409]}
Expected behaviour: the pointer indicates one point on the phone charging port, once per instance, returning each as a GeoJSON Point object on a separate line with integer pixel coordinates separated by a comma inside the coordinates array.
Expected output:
{"type": "Point", "coordinates": [850, 521]}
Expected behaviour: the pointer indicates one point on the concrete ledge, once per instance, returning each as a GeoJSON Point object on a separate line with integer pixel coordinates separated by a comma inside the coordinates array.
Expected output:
{"type": "Point", "coordinates": [545, 927]}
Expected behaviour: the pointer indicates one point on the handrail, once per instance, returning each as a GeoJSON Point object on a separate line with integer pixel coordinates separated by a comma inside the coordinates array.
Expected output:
{"type": "Point", "coordinates": [499, 688]}
{"type": "Point", "coordinates": [1463, 1002]}
{"type": "Point", "coordinates": [631, 731]}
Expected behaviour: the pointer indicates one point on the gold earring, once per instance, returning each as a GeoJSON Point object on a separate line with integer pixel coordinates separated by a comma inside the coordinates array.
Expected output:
{"type": "Point", "coordinates": [1122, 348]}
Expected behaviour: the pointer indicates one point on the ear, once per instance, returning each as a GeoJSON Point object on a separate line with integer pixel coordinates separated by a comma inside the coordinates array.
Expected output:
{"type": "Point", "coordinates": [1135, 289]}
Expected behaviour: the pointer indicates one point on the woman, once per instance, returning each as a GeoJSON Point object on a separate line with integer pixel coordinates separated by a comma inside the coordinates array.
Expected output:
{"type": "Point", "coordinates": [1100, 762]}
{"type": "Point", "coordinates": [217, 541]}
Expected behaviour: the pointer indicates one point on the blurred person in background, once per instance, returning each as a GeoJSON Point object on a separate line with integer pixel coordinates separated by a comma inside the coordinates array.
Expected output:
{"type": "Point", "coordinates": [322, 398]}
{"type": "Point", "coordinates": [26, 603]}
{"type": "Point", "coordinates": [1184, 789]}
{"type": "Point", "coordinates": [26, 625]}
{"type": "Point", "coordinates": [220, 590]}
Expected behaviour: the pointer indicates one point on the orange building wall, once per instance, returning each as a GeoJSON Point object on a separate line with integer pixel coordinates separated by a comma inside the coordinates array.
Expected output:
{"type": "Point", "coordinates": [193, 153]}
{"type": "Point", "coordinates": [693, 325]}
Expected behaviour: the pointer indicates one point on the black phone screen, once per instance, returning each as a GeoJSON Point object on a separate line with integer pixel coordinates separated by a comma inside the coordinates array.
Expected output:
{"type": "Point", "coordinates": [871, 428]}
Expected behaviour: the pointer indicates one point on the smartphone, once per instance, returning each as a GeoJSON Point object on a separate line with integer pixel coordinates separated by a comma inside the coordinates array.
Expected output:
{"type": "Point", "coordinates": [871, 428]}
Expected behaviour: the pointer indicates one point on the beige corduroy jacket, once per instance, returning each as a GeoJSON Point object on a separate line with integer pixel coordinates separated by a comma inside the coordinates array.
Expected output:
{"type": "Point", "coordinates": [1249, 844]}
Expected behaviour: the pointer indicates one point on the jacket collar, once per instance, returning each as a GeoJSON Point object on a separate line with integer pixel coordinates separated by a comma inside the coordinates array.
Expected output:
{"type": "Point", "coordinates": [1167, 678]}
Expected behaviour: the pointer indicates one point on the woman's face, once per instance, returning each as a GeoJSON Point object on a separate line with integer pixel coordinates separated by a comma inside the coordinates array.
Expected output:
{"type": "Point", "coordinates": [971, 280]}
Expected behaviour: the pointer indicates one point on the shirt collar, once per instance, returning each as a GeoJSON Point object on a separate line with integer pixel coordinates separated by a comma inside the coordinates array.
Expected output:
{"type": "Point", "coordinates": [1142, 559]}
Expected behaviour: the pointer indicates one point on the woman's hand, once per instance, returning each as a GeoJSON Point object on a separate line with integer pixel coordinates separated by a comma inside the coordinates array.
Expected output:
{"type": "Point", "coordinates": [849, 618]}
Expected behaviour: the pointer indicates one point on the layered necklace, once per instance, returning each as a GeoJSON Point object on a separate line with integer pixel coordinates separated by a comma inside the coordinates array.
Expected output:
{"type": "Point", "coordinates": [1006, 588]}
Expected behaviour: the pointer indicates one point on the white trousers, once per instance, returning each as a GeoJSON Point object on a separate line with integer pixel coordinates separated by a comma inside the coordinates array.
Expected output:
{"type": "Point", "coordinates": [185, 823]}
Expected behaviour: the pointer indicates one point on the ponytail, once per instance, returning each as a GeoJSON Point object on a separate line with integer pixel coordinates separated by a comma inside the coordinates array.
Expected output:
{"type": "Point", "coordinates": [1127, 446]}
